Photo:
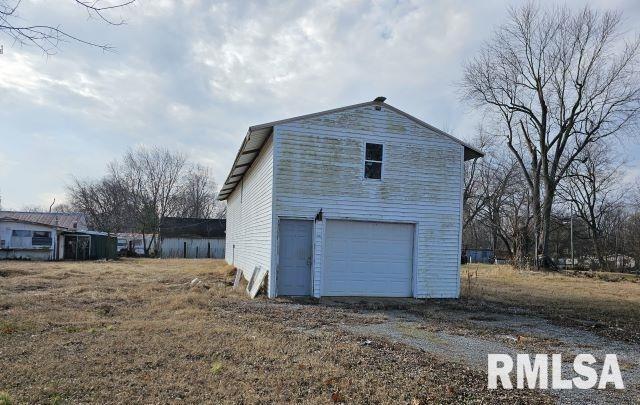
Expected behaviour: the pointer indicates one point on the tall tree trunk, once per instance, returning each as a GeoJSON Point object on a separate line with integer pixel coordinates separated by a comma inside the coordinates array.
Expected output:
{"type": "Point", "coordinates": [144, 244]}
{"type": "Point", "coordinates": [547, 205]}
{"type": "Point", "coordinates": [495, 224]}
{"type": "Point", "coordinates": [596, 246]}
{"type": "Point", "coordinates": [537, 217]}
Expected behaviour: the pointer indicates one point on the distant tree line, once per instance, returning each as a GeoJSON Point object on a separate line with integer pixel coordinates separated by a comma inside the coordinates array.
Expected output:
{"type": "Point", "coordinates": [140, 189]}
{"type": "Point", "coordinates": [597, 199]}
{"type": "Point", "coordinates": [558, 88]}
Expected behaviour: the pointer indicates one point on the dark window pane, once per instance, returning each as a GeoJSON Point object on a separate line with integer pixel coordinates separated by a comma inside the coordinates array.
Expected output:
{"type": "Point", "coordinates": [374, 152]}
{"type": "Point", "coordinates": [41, 241]}
{"type": "Point", "coordinates": [41, 238]}
{"type": "Point", "coordinates": [373, 170]}
{"type": "Point", "coordinates": [20, 233]}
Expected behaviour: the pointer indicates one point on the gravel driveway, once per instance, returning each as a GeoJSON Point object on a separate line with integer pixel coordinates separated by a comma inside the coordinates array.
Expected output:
{"type": "Point", "coordinates": [468, 337]}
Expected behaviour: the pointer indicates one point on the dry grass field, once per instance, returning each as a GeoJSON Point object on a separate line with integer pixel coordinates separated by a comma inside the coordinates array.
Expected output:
{"type": "Point", "coordinates": [606, 303]}
{"type": "Point", "coordinates": [137, 331]}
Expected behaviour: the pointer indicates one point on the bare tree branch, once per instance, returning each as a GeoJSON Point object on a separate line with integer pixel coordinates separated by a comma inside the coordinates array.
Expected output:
{"type": "Point", "coordinates": [49, 37]}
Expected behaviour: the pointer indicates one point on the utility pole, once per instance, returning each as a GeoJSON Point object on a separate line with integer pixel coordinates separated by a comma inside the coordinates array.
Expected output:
{"type": "Point", "coordinates": [573, 266]}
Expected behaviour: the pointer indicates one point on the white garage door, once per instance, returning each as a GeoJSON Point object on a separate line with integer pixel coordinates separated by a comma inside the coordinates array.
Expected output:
{"type": "Point", "coordinates": [368, 259]}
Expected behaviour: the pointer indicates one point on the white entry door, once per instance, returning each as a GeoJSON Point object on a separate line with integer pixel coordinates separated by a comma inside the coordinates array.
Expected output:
{"type": "Point", "coordinates": [368, 259]}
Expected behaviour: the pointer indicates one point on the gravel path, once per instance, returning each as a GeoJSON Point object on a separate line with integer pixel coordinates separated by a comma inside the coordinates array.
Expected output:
{"type": "Point", "coordinates": [469, 338]}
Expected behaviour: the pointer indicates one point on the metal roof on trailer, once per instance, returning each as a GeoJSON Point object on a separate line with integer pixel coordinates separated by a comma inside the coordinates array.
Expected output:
{"type": "Point", "coordinates": [257, 135]}
{"type": "Point", "coordinates": [59, 219]}
{"type": "Point", "coordinates": [23, 221]}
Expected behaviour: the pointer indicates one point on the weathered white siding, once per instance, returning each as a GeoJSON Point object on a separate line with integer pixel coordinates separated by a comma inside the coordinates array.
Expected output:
{"type": "Point", "coordinates": [249, 216]}
{"type": "Point", "coordinates": [21, 247]}
{"type": "Point", "coordinates": [196, 248]}
{"type": "Point", "coordinates": [319, 165]}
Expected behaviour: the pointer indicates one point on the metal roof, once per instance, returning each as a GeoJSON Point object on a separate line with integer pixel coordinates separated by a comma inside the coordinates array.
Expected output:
{"type": "Point", "coordinates": [257, 135]}
{"type": "Point", "coordinates": [22, 221]}
{"type": "Point", "coordinates": [67, 220]}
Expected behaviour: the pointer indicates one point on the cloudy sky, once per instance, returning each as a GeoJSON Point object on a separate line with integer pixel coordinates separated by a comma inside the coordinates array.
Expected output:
{"type": "Point", "coordinates": [194, 75]}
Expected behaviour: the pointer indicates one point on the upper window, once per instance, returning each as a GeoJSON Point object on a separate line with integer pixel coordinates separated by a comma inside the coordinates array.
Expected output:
{"type": "Point", "coordinates": [373, 161]}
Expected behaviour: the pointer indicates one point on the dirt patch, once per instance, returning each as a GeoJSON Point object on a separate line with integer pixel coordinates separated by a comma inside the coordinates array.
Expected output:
{"type": "Point", "coordinates": [11, 273]}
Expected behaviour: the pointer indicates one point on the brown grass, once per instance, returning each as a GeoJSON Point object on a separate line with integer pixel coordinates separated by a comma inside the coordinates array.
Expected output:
{"type": "Point", "coordinates": [135, 331]}
{"type": "Point", "coordinates": [608, 304]}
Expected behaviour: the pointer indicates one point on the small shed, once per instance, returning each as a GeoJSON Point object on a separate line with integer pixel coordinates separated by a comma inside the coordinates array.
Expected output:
{"type": "Point", "coordinates": [479, 255]}
{"type": "Point", "coordinates": [193, 238]}
{"type": "Point", "coordinates": [88, 245]}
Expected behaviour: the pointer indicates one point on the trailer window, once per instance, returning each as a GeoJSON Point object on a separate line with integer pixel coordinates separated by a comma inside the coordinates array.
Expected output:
{"type": "Point", "coordinates": [19, 233]}
{"type": "Point", "coordinates": [41, 238]}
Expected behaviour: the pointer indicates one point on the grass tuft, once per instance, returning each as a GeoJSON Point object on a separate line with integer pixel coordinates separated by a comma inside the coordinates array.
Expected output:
{"type": "Point", "coordinates": [8, 327]}
{"type": "Point", "coordinates": [56, 399]}
{"type": "Point", "coordinates": [216, 367]}
{"type": "Point", "coordinates": [5, 399]}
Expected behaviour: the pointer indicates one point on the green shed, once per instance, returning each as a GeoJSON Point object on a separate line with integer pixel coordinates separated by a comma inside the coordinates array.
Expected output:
{"type": "Point", "coordinates": [89, 245]}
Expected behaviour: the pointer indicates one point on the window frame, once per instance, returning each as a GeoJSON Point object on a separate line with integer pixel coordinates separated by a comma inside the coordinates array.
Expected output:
{"type": "Point", "coordinates": [39, 238]}
{"type": "Point", "coordinates": [365, 160]}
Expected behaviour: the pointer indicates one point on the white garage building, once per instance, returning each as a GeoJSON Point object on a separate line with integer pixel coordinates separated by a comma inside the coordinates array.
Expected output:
{"type": "Point", "coordinates": [363, 200]}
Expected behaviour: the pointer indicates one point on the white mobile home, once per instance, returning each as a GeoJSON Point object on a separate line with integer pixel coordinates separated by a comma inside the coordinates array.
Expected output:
{"type": "Point", "coordinates": [363, 200]}
{"type": "Point", "coordinates": [36, 235]}
{"type": "Point", "coordinates": [21, 239]}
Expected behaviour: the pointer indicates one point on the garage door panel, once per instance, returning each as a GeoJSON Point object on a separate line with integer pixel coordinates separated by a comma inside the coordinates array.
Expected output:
{"type": "Point", "coordinates": [368, 259]}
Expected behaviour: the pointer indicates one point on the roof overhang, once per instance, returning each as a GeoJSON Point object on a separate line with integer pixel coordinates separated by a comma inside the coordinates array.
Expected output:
{"type": "Point", "coordinates": [249, 151]}
{"type": "Point", "coordinates": [257, 136]}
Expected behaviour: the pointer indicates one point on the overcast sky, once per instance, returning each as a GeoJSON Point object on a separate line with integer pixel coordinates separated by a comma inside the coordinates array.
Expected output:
{"type": "Point", "coordinates": [194, 75]}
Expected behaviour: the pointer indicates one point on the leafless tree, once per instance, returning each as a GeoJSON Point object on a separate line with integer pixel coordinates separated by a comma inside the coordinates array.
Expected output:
{"type": "Point", "coordinates": [592, 187]}
{"type": "Point", "coordinates": [48, 37]}
{"type": "Point", "coordinates": [631, 230]}
{"type": "Point", "coordinates": [221, 210]}
{"type": "Point", "coordinates": [151, 178]}
{"type": "Point", "coordinates": [503, 188]}
{"type": "Point", "coordinates": [557, 81]}
{"type": "Point", "coordinates": [104, 201]}
{"type": "Point", "coordinates": [474, 193]}
{"type": "Point", "coordinates": [140, 189]}
{"type": "Point", "coordinates": [492, 185]}
{"type": "Point", "coordinates": [197, 194]}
